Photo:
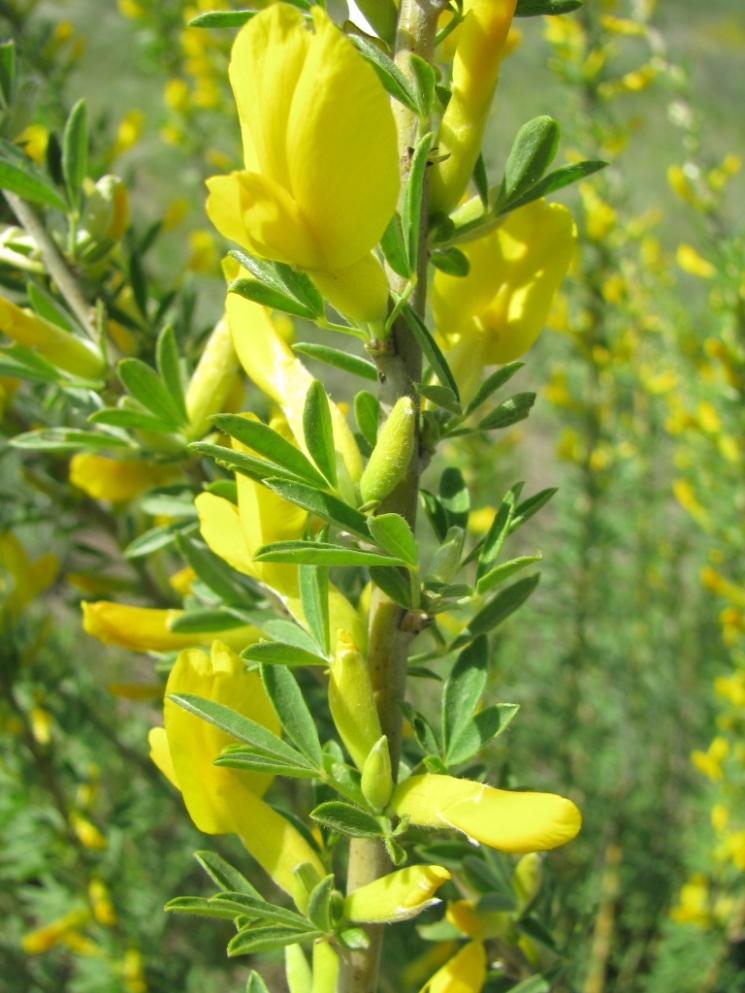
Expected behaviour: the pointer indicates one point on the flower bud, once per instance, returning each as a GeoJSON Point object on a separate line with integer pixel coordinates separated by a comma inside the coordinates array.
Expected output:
{"type": "Point", "coordinates": [397, 896]}
{"type": "Point", "coordinates": [297, 970]}
{"type": "Point", "coordinates": [106, 212]}
{"type": "Point", "coordinates": [305, 879]}
{"type": "Point", "coordinates": [51, 342]}
{"type": "Point", "coordinates": [377, 781]}
{"type": "Point", "coordinates": [325, 967]}
{"type": "Point", "coordinates": [446, 560]}
{"type": "Point", "coordinates": [392, 454]}
{"type": "Point", "coordinates": [464, 973]}
{"type": "Point", "coordinates": [351, 701]}
{"type": "Point", "coordinates": [213, 380]}
{"type": "Point", "coordinates": [527, 878]}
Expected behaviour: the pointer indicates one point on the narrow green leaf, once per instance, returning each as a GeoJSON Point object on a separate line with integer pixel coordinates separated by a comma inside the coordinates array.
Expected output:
{"type": "Point", "coordinates": [319, 904]}
{"type": "Point", "coordinates": [534, 8]}
{"type": "Point", "coordinates": [269, 443]}
{"type": "Point", "coordinates": [533, 151]}
{"type": "Point", "coordinates": [122, 417]}
{"type": "Point", "coordinates": [367, 415]}
{"type": "Point", "coordinates": [388, 72]}
{"type": "Point", "coordinates": [146, 386]}
{"type": "Point", "coordinates": [138, 281]}
{"type": "Point", "coordinates": [18, 370]}
{"type": "Point", "coordinates": [498, 531]}
{"type": "Point", "coordinates": [500, 608]}
{"type": "Point", "coordinates": [505, 571]}
{"type": "Point", "coordinates": [247, 760]}
{"type": "Point", "coordinates": [268, 296]}
{"type": "Point", "coordinates": [7, 71]}
{"type": "Point", "coordinates": [199, 906]}
{"type": "Point", "coordinates": [240, 727]}
{"type": "Point", "coordinates": [318, 430]}
{"type": "Point", "coordinates": [435, 514]}
{"type": "Point", "coordinates": [535, 984]}
{"type": "Point", "coordinates": [324, 505]}
{"type": "Point", "coordinates": [75, 152]}
{"type": "Point", "coordinates": [29, 183]}
{"type": "Point", "coordinates": [411, 208]}
{"type": "Point", "coordinates": [423, 732]}
{"type": "Point", "coordinates": [531, 506]}
{"type": "Point", "coordinates": [509, 412]}
{"type": "Point", "coordinates": [430, 348]}
{"type": "Point", "coordinates": [392, 533]}
{"type": "Point", "coordinates": [393, 246]}
{"type": "Point", "coordinates": [167, 359]}
{"type": "Point", "coordinates": [67, 440]}
{"type": "Point", "coordinates": [393, 584]}
{"type": "Point", "coordinates": [353, 938]}
{"type": "Point", "coordinates": [347, 819]}
{"type": "Point", "coordinates": [263, 271]}
{"type": "Point", "coordinates": [463, 690]}
{"type": "Point", "coordinates": [451, 261]}
{"type": "Point", "coordinates": [247, 465]}
{"type": "Point", "coordinates": [204, 620]}
{"type": "Point", "coordinates": [280, 629]}
{"type": "Point", "coordinates": [222, 19]}
{"type": "Point", "coordinates": [301, 287]}
{"type": "Point", "coordinates": [314, 597]}
{"type": "Point", "coordinates": [454, 498]}
{"type": "Point", "coordinates": [321, 553]}
{"type": "Point", "coordinates": [481, 181]}
{"type": "Point", "coordinates": [530, 925]}
{"type": "Point", "coordinates": [440, 395]}
{"type": "Point", "coordinates": [254, 984]}
{"type": "Point", "coordinates": [492, 383]}
{"type": "Point", "coordinates": [259, 909]}
{"type": "Point", "coordinates": [424, 84]}
{"type": "Point", "coordinates": [290, 707]}
{"type": "Point", "coordinates": [340, 360]}
{"type": "Point", "coordinates": [211, 570]}
{"type": "Point", "coordinates": [46, 306]}
{"type": "Point", "coordinates": [556, 180]}
{"type": "Point", "coordinates": [478, 732]}
{"type": "Point", "coordinates": [281, 654]}
{"type": "Point", "coordinates": [223, 874]}
{"type": "Point", "coordinates": [263, 939]}
{"type": "Point", "coordinates": [153, 540]}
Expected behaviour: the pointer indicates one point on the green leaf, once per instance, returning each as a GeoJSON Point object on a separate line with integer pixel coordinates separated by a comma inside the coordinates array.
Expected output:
{"type": "Point", "coordinates": [478, 732]}
{"type": "Point", "coordinates": [174, 500]}
{"type": "Point", "coordinates": [411, 208]}
{"type": "Point", "coordinates": [500, 608]}
{"type": "Point", "coordinates": [531, 506]}
{"type": "Point", "coordinates": [279, 653]}
{"type": "Point", "coordinates": [481, 181]}
{"type": "Point", "coordinates": [534, 8]}
{"type": "Point", "coordinates": [354, 938]}
{"type": "Point", "coordinates": [204, 620]}
{"type": "Point", "coordinates": [268, 296]}
{"type": "Point", "coordinates": [211, 570]}
{"type": "Point", "coordinates": [463, 690]}
{"type": "Point", "coordinates": [20, 176]}
{"type": "Point", "coordinates": [556, 180]}
{"type": "Point", "coordinates": [146, 386]}
{"type": "Point", "coordinates": [199, 906]}
{"type": "Point", "coordinates": [18, 370]}
{"type": "Point", "coordinates": [46, 306]}
{"type": "Point", "coordinates": [138, 282]}
{"type": "Point", "coordinates": [505, 571]}
{"type": "Point", "coordinates": [393, 584]}
{"type": "Point", "coordinates": [533, 151]}
{"type": "Point", "coordinates": [122, 417]}
{"type": "Point", "coordinates": [222, 19]}
{"type": "Point", "coordinates": [535, 984]}
{"type": "Point", "coordinates": [247, 465]}
{"type": "Point", "coordinates": [259, 910]}
{"type": "Point", "coordinates": [314, 597]}
{"type": "Point", "coordinates": [498, 531]}
{"type": "Point", "coordinates": [340, 360]}
{"type": "Point", "coordinates": [492, 383]}
{"type": "Point", "coordinates": [424, 84]}
{"type": "Point", "coordinates": [302, 287]}
{"type": "Point", "coordinates": [290, 707]}
{"type": "Point", "coordinates": [388, 72]}
{"type": "Point", "coordinates": [75, 152]}
{"type": "Point", "coordinates": [319, 904]}
{"type": "Point", "coordinates": [435, 512]}
{"type": "Point", "coordinates": [440, 395]}
{"type": "Point", "coordinates": [167, 359]}
{"type": "Point", "coordinates": [324, 505]}
{"type": "Point", "coordinates": [255, 983]}
{"type": "Point", "coordinates": [240, 727]}
{"type": "Point", "coordinates": [7, 71]}
{"type": "Point", "coordinates": [392, 533]}
{"type": "Point", "coordinates": [269, 443]}
{"type": "Point", "coordinates": [265, 272]}
{"type": "Point", "coordinates": [247, 760]}
{"type": "Point", "coordinates": [530, 925]}
{"type": "Point", "coordinates": [451, 261]}
{"type": "Point", "coordinates": [423, 731]}
{"type": "Point", "coordinates": [367, 415]}
{"type": "Point", "coordinates": [347, 819]}
{"type": "Point", "coordinates": [153, 540]}
{"type": "Point", "coordinates": [393, 246]}
{"type": "Point", "coordinates": [320, 553]}
{"type": "Point", "coordinates": [509, 412]}
{"type": "Point", "coordinates": [67, 440]}
{"type": "Point", "coordinates": [223, 874]}
{"type": "Point", "coordinates": [430, 348]}
{"type": "Point", "coordinates": [263, 939]}
{"type": "Point", "coordinates": [454, 498]}
{"type": "Point", "coordinates": [318, 430]}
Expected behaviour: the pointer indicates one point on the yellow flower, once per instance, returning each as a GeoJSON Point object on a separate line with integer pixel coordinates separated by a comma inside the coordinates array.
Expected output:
{"type": "Point", "coordinates": [510, 822]}
{"type": "Point", "coordinates": [351, 701]}
{"type": "Point", "coordinates": [86, 831]}
{"type": "Point", "coordinates": [694, 902]}
{"type": "Point", "coordinates": [690, 261]}
{"type": "Point", "coordinates": [464, 973]}
{"type": "Point", "coordinates": [129, 131]}
{"type": "Point", "coordinates": [34, 140]}
{"type": "Point", "coordinates": [321, 172]}
{"type": "Point", "coordinates": [51, 342]}
{"type": "Point", "coordinates": [481, 41]}
{"type": "Point", "coordinates": [103, 908]}
{"type": "Point", "coordinates": [496, 312]}
{"type": "Point", "coordinates": [29, 578]}
{"type": "Point", "coordinates": [116, 479]}
{"type": "Point", "coordinates": [146, 629]}
{"type": "Point", "coordinates": [44, 938]}
{"type": "Point", "coordinates": [222, 800]}
{"type": "Point", "coordinates": [397, 896]}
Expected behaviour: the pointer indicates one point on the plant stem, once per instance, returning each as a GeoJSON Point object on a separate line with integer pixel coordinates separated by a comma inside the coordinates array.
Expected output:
{"type": "Point", "coordinates": [53, 262]}
{"type": "Point", "coordinates": [388, 641]}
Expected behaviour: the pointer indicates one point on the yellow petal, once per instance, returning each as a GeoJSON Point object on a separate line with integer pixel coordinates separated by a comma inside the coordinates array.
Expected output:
{"type": "Point", "coordinates": [514, 274]}
{"type": "Point", "coordinates": [397, 896]}
{"type": "Point", "coordinates": [510, 822]}
{"type": "Point", "coordinates": [116, 479]}
{"type": "Point", "coordinates": [360, 291]}
{"type": "Point", "coordinates": [220, 526]}
{"type": "Point", "coordinates": [464, 973]}
{"type": "Point", "coordinates": [342, 147]}
{"type": "Point", "coordinates": [160, 753]}
{"type": "Point", "coordinates": [54, 344]}
{"type": "Point", "coordinates": [213, 379]}
{"type": "Point", "coordinates": [269, 362]}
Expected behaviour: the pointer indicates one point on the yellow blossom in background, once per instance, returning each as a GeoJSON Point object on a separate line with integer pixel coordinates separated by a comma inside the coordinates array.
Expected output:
{"type": "Point", "coordinates": [129, 131]}
{"type": "Point", "coordinates": [464, 973]}
{"type": "Point", "coordinates": [86, 831]}
{"type": "Point", "coordinates": [600, 217]}
{"type": "Point", "coordinates": [203, 254]}
{"type": "Point", "coordinates": [710, 762]}
{"type": "Point", "coordinates": [44, 938]}
{"type": "Point", "coordinates": [176, 211]}
{"type": "Point", "coordinates": [34, 140]}
{"type": "Point", "coordinates": [222, 800]}
{"type": "Point", "coordinates": [41, 725]}
{"type": "Point", "coordinates": [693, 907]}
{"type": "Point", "coordinates": [29, 578]}
{"type": "Point", "coordinates": [495, 313]}
{"type": "Point", "coordinates": [176, 94]}
{"type": "Point", "coordinates": [103, 908]}
{"type": "Point", "coordinates": [690, 261]}
{"type": "Point", "coordinates": [133, 971]}
{"type": "Point", "coordinates": [687, 499]}
{"type": "Point", "coordinates": [316, 192]}
{"type": "Point", "coordinates": [117, 480]}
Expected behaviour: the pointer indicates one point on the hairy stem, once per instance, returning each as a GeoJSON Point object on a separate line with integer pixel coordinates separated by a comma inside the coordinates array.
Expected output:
{"type": "Point", "coordinates": [399, 367]}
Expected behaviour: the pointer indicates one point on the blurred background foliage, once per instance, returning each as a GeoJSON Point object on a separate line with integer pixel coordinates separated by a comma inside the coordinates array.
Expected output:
{"type": "Point", "coordinates": [628, 663]}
